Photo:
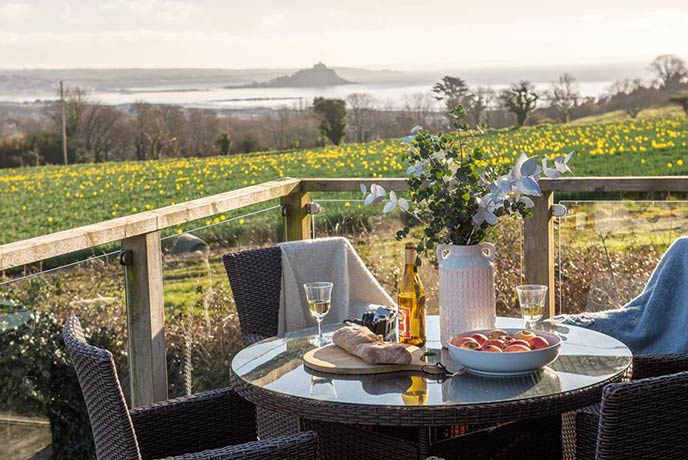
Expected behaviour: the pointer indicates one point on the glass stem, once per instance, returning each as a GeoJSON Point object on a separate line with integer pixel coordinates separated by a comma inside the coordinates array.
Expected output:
{"type": "Point", "coordinates": [320, 329]}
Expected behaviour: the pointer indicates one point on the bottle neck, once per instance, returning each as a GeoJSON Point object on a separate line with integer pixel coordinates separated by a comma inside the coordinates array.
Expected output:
{"type": "Point", "coordinates": [411, 257]}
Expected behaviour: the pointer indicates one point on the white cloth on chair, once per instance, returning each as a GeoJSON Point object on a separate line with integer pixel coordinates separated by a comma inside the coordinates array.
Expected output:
{"type": "Point", "coordinates": [325, 259]}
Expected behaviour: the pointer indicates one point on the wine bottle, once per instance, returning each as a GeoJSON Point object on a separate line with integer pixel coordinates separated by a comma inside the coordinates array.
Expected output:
{"type": "Point", "coordinates": [417, 393]}
{"type": "Point", "coordinates": [411, 301]}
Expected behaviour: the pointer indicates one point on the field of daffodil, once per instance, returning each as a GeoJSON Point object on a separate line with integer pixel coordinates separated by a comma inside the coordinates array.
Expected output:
{"type": "Point", "coordinates": [41, 200]}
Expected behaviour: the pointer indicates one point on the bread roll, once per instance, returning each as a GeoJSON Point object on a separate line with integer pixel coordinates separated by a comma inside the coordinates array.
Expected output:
{"type": "Point", "coordinates": [361, 342]}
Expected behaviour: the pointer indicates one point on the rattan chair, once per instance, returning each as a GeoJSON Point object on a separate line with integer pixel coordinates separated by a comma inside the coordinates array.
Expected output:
{"type": "Point", "coordinates": [216, 424]}
{"type": "Point", "coordinates": [256, 280]}
{"type": "Point", "coordinates": [582, 427]}
{"type": "Point", "coordinates": [255, 276]}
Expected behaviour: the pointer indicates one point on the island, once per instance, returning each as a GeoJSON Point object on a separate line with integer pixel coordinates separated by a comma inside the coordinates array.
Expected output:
{"type": "Point", "coordinates": [318, 75]}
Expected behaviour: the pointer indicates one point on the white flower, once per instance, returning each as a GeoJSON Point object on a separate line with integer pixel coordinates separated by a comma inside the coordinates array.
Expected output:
{"type": "Point", "coordinates": [417, 168]}
{"type": "Point", "coordinates": [485, 211]}
{"type": "Point", "coordinates": [377, 192]}
{"type": "Point", "coordinates": [391, 204]}
{"type": "Point", "coordinates": [416, 128]}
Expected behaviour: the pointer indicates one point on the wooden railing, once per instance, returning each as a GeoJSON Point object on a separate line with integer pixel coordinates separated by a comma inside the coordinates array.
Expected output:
{"type": "Point", "coordinates": [140, 239]}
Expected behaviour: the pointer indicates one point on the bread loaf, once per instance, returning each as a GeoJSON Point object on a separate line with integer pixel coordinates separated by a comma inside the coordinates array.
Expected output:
{"type": "Point", "coordinates": [361, 342]}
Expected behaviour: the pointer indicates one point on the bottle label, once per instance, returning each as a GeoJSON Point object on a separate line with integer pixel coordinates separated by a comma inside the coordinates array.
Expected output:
{"type": "Point", "coordinates": [404, 323]}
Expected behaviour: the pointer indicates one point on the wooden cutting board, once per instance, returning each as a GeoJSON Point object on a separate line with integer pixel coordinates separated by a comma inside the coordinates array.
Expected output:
{"type": "Point", "coordinates": [334, 360]}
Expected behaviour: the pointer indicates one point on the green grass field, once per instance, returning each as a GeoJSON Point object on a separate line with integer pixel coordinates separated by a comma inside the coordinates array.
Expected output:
{"type": "Point", "coordinates": [41, 200]}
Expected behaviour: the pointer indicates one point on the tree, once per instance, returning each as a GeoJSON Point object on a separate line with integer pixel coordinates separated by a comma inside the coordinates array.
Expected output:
{"type": "Point", "coordinates": [453, 91]}
{"type": "Point", "coordinates": [482, 101]}
{"type": "Point", "coordinates": [670, 70]}
{"type": "Point", "coordinates": [520, 100]}
{"type": "Point", "coordinates": [359, 110]}
{"type": "Point", "coordinates": [223, 143]}
{"type": "Point", "coordinates": [564, 96]}
{"type": "Point", "coordinates": [332, 114]}
{"type": "Point", "coordinates": [681, 99]}
{"type": "Point", "coordinates": [100, 132]}
{"type": "Point", "coordinates": [76, 102]}
{"type": "Point", "coordinates": [630, 96]}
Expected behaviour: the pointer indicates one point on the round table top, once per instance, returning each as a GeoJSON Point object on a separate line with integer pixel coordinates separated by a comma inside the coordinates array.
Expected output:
{"type": "Point", "coordinates": [272, 373]}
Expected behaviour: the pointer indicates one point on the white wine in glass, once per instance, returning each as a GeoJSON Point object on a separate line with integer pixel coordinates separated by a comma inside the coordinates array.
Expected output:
{"type": "Point", "coordinates": [319, 297]}
{"type": "Point", "coordinates": [319, 308]}
{"type": "Point", "coordinates": [532, 298]}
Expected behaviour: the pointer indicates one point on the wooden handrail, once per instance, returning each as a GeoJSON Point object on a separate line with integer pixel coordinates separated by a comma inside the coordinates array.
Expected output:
{"type": "Point", "coordinates": [59, 243]}
{"type": "Point", "coordinates": [616, 184]}
{"type": "Point", "coordinates": [140, 236]}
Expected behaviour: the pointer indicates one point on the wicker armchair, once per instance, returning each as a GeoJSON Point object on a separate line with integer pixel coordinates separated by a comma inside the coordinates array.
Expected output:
{"type": "Point", "coordinates": [216, 424]}
{"type": "Point", "coordinates": [581, 427]}
{"type": "Point", "coordinates": [256, 280]}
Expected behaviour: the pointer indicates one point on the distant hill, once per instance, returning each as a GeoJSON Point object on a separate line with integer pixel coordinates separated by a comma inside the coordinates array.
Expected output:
{"type": "Point", "coordinates": [318, 75]}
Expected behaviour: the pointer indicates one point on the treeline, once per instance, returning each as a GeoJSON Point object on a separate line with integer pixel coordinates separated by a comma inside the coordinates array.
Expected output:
{"type": "Point", "coordinates": [97, 132]}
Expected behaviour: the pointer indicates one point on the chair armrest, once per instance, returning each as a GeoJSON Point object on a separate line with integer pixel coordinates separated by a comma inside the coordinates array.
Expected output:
{"type": "Point", "coordinates": [299, 446]}
{"type": "Point", "coordinates": [579, 432]}
{"type": "Point", "coordinates": [645, 366]}
{"type": "Point", "coordinates": [195, 423]}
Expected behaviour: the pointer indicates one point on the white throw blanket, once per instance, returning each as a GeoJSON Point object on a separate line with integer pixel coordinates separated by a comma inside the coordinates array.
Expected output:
{"type": "Point", "coordinates": [325, 259]}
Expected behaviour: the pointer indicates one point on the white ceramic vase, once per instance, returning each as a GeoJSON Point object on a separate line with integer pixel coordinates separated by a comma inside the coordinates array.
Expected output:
{"type": "Point", "coordinates": [467, 288]}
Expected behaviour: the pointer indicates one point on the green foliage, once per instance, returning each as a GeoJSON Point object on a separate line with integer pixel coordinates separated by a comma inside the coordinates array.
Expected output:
{"type": "Point", "coordinates": [332, 114]}
{"type": "Point", "coordinates": [520, 99]}
{"type": "Point", "coordinates": [223, 143]}
{"type": "Point", "coordinates": [453, 91]}
{"type": "Point", "coordinates": [446, 183]}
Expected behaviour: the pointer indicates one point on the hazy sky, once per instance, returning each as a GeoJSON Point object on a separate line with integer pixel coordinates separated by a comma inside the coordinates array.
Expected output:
{"type": "Point", "coordinates": [371, 33]}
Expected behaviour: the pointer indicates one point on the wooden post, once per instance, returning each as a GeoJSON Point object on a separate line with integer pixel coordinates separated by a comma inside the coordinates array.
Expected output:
{"type": "Point", "coordinates": [298, 219]}
{"type": "Point", "coordinates": [538, 248]}
{"type": "Point", "coordinates": [146, 319]}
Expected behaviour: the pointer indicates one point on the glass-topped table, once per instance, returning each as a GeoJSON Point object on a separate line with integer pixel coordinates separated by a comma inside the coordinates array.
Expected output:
{"type": "Point", "coordinates": [271, 374]}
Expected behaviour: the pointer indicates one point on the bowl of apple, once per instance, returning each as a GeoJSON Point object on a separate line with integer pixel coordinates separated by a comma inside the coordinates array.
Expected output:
{"type": "Point", "coordinates": [504, 351]}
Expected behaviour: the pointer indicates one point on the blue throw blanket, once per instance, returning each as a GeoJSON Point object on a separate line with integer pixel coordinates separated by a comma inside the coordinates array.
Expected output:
{"type": "Point", "coordinates": [655, 322]}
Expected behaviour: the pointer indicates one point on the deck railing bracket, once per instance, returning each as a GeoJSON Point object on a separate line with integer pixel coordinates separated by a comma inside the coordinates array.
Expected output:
{"type": "Point", "coordinates": [126, 257]}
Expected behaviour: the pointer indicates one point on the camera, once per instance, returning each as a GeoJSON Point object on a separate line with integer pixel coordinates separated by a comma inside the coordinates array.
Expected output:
{"type": "Point", "coordinates": [380, 320]}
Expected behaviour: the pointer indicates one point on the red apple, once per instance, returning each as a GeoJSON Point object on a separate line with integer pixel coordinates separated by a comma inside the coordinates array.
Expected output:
{"type": "Point", "coordinates": [516, 348]}
{"type": "Point", "coordinates": [492, 349]}
{"type": "Point", "coordinates": [457, 341]}
{"type": "Point", "coordinates": [520, 342]}
{"type": "Point", "coordinates": [480, 338]}
{"type": "Point", "coordinates": [470, 345]}
{"type": "Point", "coordinates": [538, 342]}
{"type": "Point", "coordinates": [494, 343]}
{"type": "Point", "coordinates": [525, 335]}
{"type": "Point", "coordinates": [496, 333]}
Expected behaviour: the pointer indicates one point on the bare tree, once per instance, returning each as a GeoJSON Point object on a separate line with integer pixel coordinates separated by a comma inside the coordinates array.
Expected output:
{"type": "Point", "coordinates": [630, 96]}
{"type": "Point", "coordinates": [203, 131]}
{"type": "Point", "coordinates": [359, 113]}
{"type": "Point", "coordinates": [482, 101]}
{"type": "Point", "coordinates": [520, 99]}
{"type": "Point", "coordinates": [76, 101]}
{"type": "Point", "coordinates": [419, 109]}
{"type": "Point", "coordinates": [150, 131]}
{"type": "Point", "coordinates": [564, 96]}
{"type": "Point", "coordinates": [100, 132]}
{"type": "Point", "coordinates": [670, 71]}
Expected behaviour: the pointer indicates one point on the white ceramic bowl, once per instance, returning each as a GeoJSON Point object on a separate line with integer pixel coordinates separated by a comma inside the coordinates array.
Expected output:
{"type": "Point", "coordinates": [512, 363]}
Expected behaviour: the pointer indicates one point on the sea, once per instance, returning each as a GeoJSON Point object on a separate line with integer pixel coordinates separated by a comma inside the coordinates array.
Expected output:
{"type": "Point", "coordinates": [386, 96]}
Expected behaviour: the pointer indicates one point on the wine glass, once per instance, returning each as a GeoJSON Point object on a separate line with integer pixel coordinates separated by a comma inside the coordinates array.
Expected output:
{"type": "Point", "coordinates": [532, 298]}
{"type": "Point", "coordinates": [319, 296]}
